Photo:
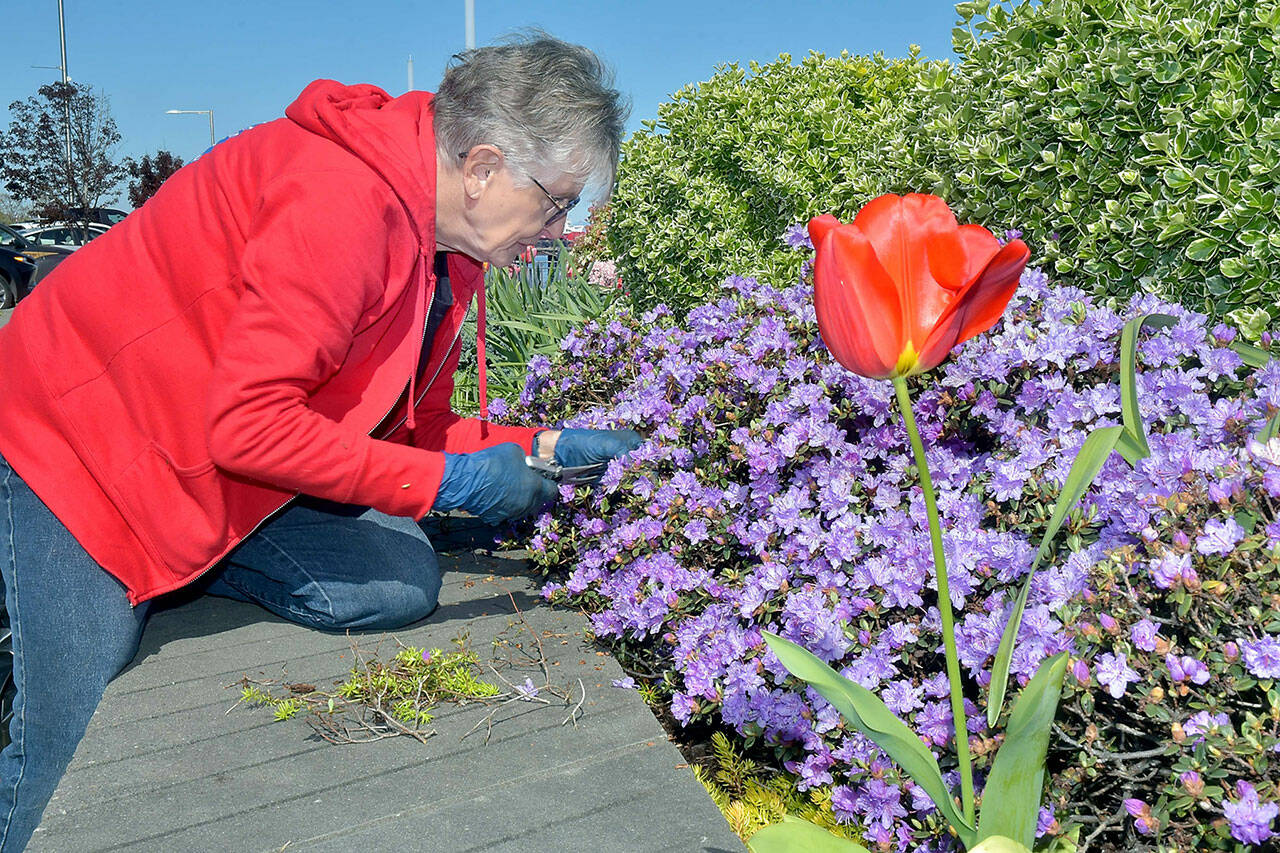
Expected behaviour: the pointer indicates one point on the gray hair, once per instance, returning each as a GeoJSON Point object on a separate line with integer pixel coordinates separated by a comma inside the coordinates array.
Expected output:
{"type": "Point", "coordinates": [547, 104]}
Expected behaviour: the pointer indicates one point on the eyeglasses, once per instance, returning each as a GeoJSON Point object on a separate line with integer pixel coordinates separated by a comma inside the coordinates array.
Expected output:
{"type": "Point", "coordinates": [558, 210]}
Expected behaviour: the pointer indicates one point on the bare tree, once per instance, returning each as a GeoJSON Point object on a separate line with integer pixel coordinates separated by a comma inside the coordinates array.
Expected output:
{"type": "Point", "coordinates": [60, 150]}
{"type": "Point", "coordinates": [11, 211]}
{"type": "Point", "coordinates": [146, 175]}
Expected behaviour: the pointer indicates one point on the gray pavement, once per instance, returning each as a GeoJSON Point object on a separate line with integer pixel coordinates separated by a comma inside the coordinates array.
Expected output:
{"type": "Point", "coordinates": [169, 765]}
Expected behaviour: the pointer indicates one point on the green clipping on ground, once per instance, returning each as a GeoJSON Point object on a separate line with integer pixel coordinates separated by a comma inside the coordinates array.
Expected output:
{"type": "Point", "coordinates": [379, 698]}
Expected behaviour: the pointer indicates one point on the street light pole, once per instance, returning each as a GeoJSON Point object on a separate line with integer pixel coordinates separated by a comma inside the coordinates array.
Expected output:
{"type": "Point", "coordinates": [62, 38]}
{"type": "Point", "coordinates": [471, 23]}
{"type": "Point", "coordinates": [209, 113]}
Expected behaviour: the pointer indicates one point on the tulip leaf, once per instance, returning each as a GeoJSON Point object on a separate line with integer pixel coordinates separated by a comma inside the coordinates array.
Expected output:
{"type": "Point", "coordinates": [999, 844]}
{"type": "Point", "coordinates": [795, 835]}
{"type": "Point", "coordinates": [1271, 430]}
{"type": "Point", "coordinates": [865, 713]}
{"type": "Point", "coordinates": [1011, 798]}
{"type": "Point", "coordinates": [1253, 356]}
{"type": "Point", "coordinates": [1133, 444]}
{"type": "Point", "coordinates": [1093, 453]}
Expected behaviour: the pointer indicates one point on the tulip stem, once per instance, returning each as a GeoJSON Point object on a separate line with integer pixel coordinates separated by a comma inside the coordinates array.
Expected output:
{"type": "Point", "coordinates": [944, 601]}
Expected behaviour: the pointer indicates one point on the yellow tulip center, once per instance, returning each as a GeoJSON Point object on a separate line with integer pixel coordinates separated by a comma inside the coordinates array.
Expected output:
{"type": "Point", "coordinates": [906, 361]}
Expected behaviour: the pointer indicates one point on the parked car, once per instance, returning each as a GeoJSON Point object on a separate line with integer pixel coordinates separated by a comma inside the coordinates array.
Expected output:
{"type": "Point", "coordinates": [16, 272]}
{"type": "Point", "coordinates": [70, 234]}
{"type": "Point", "coordinates": [102, 215]}
{"type": "Point", "coordinates": [45, 257]}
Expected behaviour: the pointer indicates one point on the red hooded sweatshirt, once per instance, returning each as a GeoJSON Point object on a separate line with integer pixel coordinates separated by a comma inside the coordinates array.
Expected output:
{"type": "Point", "coordinates": [234, 342]}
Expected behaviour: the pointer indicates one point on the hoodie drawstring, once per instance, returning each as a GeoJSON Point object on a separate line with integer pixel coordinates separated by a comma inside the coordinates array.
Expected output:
{"type": "Point", "coordinates": [426, 282]}
{"type": "Point", "coordinates": [483, 378]}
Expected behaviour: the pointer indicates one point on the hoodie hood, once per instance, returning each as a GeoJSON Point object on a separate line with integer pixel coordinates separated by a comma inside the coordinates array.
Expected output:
{"type": "Point", "coordinates": [395, 137]}
{"type": "Point", "coordinates": [392, 136]}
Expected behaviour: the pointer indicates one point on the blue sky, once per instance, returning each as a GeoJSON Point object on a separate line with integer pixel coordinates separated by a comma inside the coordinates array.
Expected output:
{"type": "Point", "coordinates": [248, 60]}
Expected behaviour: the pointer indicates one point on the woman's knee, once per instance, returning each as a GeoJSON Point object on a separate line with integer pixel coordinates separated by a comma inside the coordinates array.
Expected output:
{"type": "Point", "coordinates": [381, 602]}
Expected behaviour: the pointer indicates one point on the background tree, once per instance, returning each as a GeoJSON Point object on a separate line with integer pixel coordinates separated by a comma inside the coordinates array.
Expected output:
{"type": "Point", "coordinates": [11, 211]}
{"type": "Point", "coordinates": [34, 162]}
{"type": "Point", "coordinates": [146, 175]}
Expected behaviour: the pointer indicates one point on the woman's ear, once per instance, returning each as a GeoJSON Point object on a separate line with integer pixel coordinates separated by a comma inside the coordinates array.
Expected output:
{"type": "Point", "coordinates": [481, 164]}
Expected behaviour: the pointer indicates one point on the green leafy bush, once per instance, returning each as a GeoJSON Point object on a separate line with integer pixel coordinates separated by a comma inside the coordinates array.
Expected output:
{"type": "Point", "coordinates": [1137, 141]}
{"type": "Point", "coordinates": [1144, 133]}
{"type": "Point", "coordinates": [707, 189]}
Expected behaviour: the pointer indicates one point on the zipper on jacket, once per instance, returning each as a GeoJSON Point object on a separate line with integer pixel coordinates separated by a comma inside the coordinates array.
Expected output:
{"type": "Point", "coordinates": [426, 320]}
{"type": "Point", "coordinates": [434, 376]}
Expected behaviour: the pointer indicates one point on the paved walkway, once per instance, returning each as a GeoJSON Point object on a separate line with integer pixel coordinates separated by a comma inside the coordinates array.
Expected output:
{"type": "Point", "coordinates": [168, 765]}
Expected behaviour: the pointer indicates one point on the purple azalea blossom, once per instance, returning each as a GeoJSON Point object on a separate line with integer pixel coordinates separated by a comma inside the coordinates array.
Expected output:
{"type": "Point", "coordinates": [1143, 634]}
{"type": "Point", "coordinates": [1113, 672]}
{"type": "Point", "coordinates": [1202, 722]}
{"type": "Point", "coordinates": [1250, 818]}
{"type": "Point", "coordinates": [1184, 668]}
{"type": "Point", "coordinates": [1262, 657]}
{"type": "Point", "coordinates": [1219, 537]}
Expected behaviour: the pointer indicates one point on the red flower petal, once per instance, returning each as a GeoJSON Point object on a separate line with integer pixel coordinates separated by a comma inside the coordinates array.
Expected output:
{"type": "Point", "coordinates": [958, 255]}
{"type": "Point", "coordinates": [820, 227]}
{"type": "Point", "coordinates": [858, 305]}
{"type": "Point", "coordinates": [915, 238]}
{"type": "Point", "coordinates": [978, 306]}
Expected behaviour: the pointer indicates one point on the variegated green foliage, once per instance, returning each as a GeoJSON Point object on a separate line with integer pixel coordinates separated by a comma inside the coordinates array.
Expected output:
{"type": "Point", "coordinates": [1136, 142]}
{"type": "Point", "coordinates": [1144, 133]}
{"type": "Point", "coordinates": [706, 189]}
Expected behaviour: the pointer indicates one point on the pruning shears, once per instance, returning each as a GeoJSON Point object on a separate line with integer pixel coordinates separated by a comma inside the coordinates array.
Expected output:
{"type": "Point", "coordinates": [572, 475]}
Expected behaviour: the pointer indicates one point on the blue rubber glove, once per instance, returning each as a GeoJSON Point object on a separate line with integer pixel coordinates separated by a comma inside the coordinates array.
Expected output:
{"type": "Point", "coordinates": [493, 484]}
{"type": "Point", "coordinates": [591, 446]}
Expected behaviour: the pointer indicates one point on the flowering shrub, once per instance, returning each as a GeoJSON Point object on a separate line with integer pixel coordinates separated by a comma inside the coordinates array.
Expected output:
{"type": "Point", "coordinates": [1175, 697]}
{"type": "Point", "coordinates": [775, 493]}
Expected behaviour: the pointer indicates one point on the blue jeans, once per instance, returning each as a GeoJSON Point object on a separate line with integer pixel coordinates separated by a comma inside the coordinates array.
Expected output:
{"type": "Point", "coordinates": [319, 564]}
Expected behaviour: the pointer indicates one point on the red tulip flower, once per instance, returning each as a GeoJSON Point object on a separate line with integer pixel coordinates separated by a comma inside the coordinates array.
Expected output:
{"type": "Point", "coordinates": [902, 284]}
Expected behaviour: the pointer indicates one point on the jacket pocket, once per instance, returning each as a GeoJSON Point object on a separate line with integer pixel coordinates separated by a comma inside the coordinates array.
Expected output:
{"type": "Point", "coordinates": [179, 511]}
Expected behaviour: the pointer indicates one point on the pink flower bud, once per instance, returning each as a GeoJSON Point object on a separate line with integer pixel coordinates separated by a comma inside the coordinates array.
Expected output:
{"type": "Point", "coordinates": [1080, 670]}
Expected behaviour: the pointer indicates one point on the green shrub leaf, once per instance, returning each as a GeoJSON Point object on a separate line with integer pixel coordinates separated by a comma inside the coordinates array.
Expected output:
{"type": "Point", "coordinates": [1011, 797]}
{"type": "Point", "coordinates": [1202, 249]}
{"type": "Point", "coordinates": [796, 835]}
{"type": "Point", "coordinates": [1093, 453]}
{"type": "Point", "coordinates": [864, 712]}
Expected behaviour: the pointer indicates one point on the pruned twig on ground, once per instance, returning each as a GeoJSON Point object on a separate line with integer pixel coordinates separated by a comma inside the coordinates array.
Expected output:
{"type": "Point", "coordinates": [397, 697]}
